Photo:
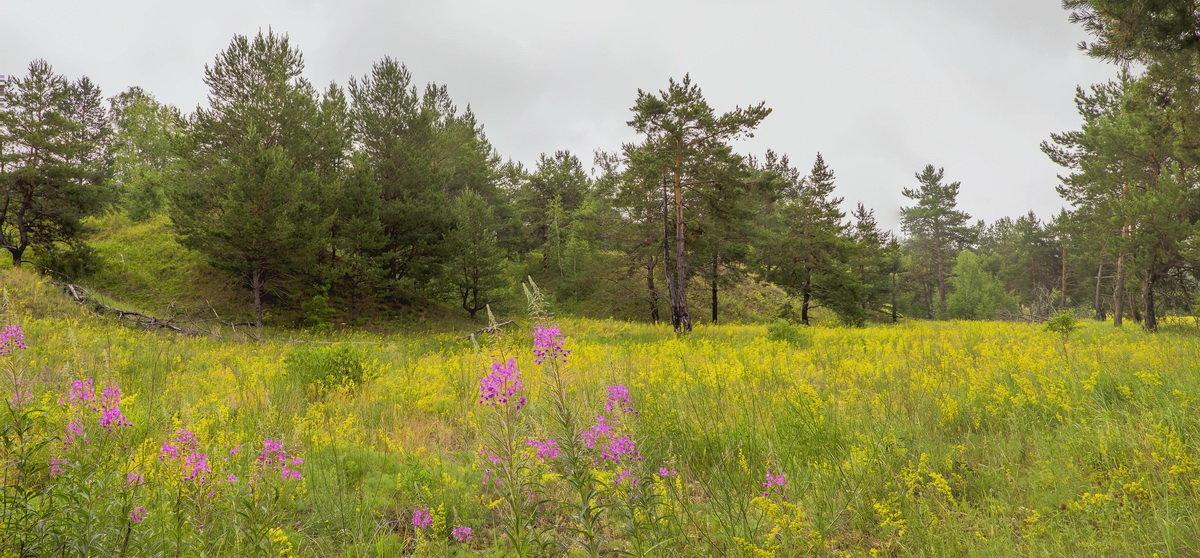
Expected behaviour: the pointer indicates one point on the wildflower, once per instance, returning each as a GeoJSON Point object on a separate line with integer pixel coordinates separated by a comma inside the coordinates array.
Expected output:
{"type": "Point", "coordinates": [169, 451]}
{"type": "Point", "coordinates": [619, 448]}
{"type": "Point", "coordinates": [273, 456]}
{"type": "Point", "coordinates": [21, 398]}
{"type": "Point", "coordinates": [82, 391]}
{"type": "Point", "coordinates": [545, 450]}
{"type": "Point", "coordinates": [599, 430]}
{"type": "Point", "coordinates": [231, 478]}
{"type": "Point", "coordinates": [548, 343]}
{"type": "Point", "coordinates": [421, 518]}
{"type": "Point", "coordinates": [134, 479]}
{"type": "Point", "coordinates": [619, 398]}
{"type": "Point", "coordinates": [137, 515]}
{"type": "Point", "coordinates": [112, 416]}
{"type": "Point", "coordinates": [502, 385]}
{"type": "Point", "coordinates": [12, 337]}
{"type": "Point", "coordinates": [665, 472]}
{"type": "Point", "coordinates": [772, 483]}
{"type": "Point", "coordinates": [235, 449]}
{"type": "Point", "coordinates": [196, 466]}
{"type": "Point", "coordinates": [56, 467]}
{"type": "Point", "coordinates": [74, 430]}
{"type": "Point", "coordinates": [625, 475]}
{"type": "Point", "coordinates": [462, 534]}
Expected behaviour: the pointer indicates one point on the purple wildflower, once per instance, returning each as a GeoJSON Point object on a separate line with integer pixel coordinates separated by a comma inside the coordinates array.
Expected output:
{"type": "Point", "coordinates": [548, 343]}
{"type": "Point", "coordinates": [545, 450]}
{"type": "Point", "coordinates": [462, 534]}
{"type": "Point", "coordinates": [82, 391]}
{"type": "Point", "coordinates": [773, 482]}
{"type": "Point", "coordinates": [502, 385]}
{"type": "Point", "coordinates": [273, 456]}
{"type": "Point", "coordinates": [619, 398]}
{"type": "Point", "coordinates": [12, 337]}
{"type": "Point", "coordinates": [665, 472]}
{"type": "Point", "coordinates": [196, 466]}
{"type": "Point", "coordinates": [56, 467]}
{"type": "Point", "coordinates": [137, 515]}
{"type": "Point", "coordinates": [231, 478]}
{"type": "Point", "coordinates": [625, 475]}
{"type": "Point", "coordinates": [599, 430]}
{"type": "Point", "coordinates": [421, 518]}
{"type": "Point", "coordinates": [21, 398]}
{"type": "Point", "coordinates": [74, 430]}
{"type": "Point", "coordinates": [620, 448]}
{"type": "Point", "coordinates": [134, 479]}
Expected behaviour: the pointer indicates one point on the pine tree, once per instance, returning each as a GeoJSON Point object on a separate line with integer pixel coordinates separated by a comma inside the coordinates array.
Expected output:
{"type": "Point", "coordinates": [688, 144]}
{"type": "Point", "coordinates": [53, 160]}
{"type": "Point", "coordinates": [251, 204]}
{"type": "Point", "coordinates": [476, 264]}
{"type": "Point", "coordinates": [937, 230]}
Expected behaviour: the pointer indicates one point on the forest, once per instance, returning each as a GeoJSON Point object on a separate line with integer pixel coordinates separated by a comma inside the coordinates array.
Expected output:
{"type": "Point", "coordinates": [355, 203]}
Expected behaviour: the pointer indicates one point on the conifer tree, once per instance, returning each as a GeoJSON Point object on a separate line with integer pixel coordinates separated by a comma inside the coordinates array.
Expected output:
{"type": "Point", "coordinates": [53, 160]}
{"type": "Point", "coordinates": [250, 205]}
{"type": "Point", "coordinates": [937, 230]}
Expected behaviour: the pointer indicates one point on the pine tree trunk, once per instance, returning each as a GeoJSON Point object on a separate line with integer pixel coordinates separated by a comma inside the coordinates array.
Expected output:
{"type": "Point", "coordinates": [805, 300]}
{"type": "Point", "coordinates": [713, 282]}
{"type": "Point", "coordinates": [1099, 303]}
{"type": "Point", "coordinates": [651, 290]}
{"type": "Point", "coordinates": [1151, 318]}
{"type": "Point", "coordinates": [679, 306]}
{"type": "Point", "coordinates": [256, 284]}
{"type": "Point", "coordinates": [1119, 292]}
{"type": "Point", "coordinates": [894, 285]}
{"type": "Point", "coordinates": [1063, 276]}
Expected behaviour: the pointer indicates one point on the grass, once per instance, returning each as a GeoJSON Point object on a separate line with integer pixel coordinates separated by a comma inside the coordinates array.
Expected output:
{"type": "Point", "coordinates": [921, 439]}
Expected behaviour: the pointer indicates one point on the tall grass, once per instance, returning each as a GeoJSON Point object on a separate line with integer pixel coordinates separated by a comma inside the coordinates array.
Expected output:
{"type": "Point", "coordinates": [917, 439]}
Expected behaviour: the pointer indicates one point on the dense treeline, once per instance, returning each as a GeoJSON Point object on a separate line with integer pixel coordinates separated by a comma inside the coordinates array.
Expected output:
{"type": "Point", "coordinates": [356, 201]}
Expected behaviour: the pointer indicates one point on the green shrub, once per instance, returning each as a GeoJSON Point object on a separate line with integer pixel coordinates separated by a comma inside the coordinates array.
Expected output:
{"type": "Point", "coordinates": [792, 334]}
{"type": "Point", "coordinates": [321, 367]}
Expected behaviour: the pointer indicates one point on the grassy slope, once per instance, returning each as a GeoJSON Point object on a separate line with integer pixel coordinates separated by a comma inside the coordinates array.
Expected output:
{"type": "Point", "coordinates": [920, 439]}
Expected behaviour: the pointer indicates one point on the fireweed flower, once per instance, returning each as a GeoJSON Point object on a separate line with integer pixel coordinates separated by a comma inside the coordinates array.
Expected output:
{"type": "Point", "coordinates": [134, 479]}
{"type": "Point", "coordinates": [620, 448]}
{"type": "Point", "coordinates": [774, 484]}
{"type": "Point", "coordinates": [545, 450]}
{"type": "Point", "coordinates": [619, 399]}
{"type": "Point", "coordinates": [665, 472]}
{"type": "Point", "coordinates": [421, 518]}
{"type": "Point", "coordinates": [502, 385]}
{"type": "Point", "coordinates": [462, 534]}
{"type": "Point", "coordinates": [137, 515]}
{"type": "Point", "coordinates": [548, 343]}
{"type": "Point", "coordinates": [273, 456]}
{"type": "Point", "coordinates": [196, 466]}
{"type": "Point", "coordinates": [56, 467]}
{"type": "Point", "coordinates": [12, 337]}
{"type": "Point", "coordinates": [625, 475]}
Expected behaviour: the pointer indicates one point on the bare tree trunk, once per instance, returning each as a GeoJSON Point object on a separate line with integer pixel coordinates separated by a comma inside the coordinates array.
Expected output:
{"type": "Point", "coordinates": [1119, 292]}
{"type": "Point", "coordinates": [1099, 303]}
{"type": "Point", "coordinates": [1151, 319]}
{"type": "Point", "coordinates": [651, 290]}
{"type": "Point", "coordinates": [715, 276]}
{"type": "Point", "coordinates": [805, 300]}
{"type": "Point", "coordinates": [680, 317]}
{"type": "Point", "coordinates": [256, 285]}
{"type": "Point", "coordinates": [894, 285]}
{"type": "Point", "coordinates": [1063, 276]}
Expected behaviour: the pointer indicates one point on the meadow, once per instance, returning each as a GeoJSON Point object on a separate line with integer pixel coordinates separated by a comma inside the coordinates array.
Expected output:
{"type": "Point", "coordinates": [916, 439]}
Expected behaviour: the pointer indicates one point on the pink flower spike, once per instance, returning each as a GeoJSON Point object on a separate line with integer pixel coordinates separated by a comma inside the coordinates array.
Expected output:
{"type": "Point", "coordinates": [137, 515]}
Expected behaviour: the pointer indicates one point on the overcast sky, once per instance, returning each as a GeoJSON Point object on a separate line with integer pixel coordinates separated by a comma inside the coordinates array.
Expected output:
{"type": "Point", "coordinates": [879, 87]}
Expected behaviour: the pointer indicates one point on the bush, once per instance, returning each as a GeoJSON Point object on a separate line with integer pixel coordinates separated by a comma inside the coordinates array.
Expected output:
{"type": "Point", "coordinates": [792, 334]}
{"type": "Point", "coordinates": [323, 367]}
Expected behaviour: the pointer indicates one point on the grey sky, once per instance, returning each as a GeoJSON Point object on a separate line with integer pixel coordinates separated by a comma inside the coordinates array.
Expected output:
{"type": "Point", "coordinates": [880, 87]}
